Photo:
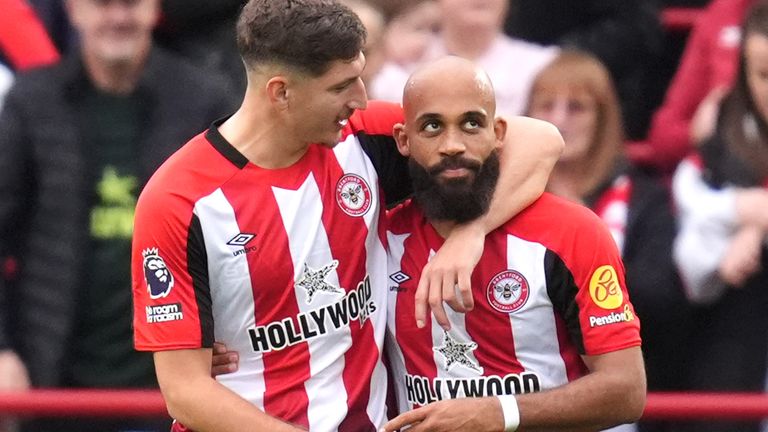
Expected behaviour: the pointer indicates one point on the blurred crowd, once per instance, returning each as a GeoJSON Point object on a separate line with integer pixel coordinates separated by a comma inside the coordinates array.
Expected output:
{"type": "Point", "coordinates": [666, 140]}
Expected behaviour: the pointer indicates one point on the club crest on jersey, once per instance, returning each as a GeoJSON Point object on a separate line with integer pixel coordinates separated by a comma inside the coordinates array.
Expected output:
{"type": "Point", "coordinates": [353, 195]}
{"type": "Point", "coordinates": [156, 274]}
{"type": "Point", "coordinates": [508, 291]}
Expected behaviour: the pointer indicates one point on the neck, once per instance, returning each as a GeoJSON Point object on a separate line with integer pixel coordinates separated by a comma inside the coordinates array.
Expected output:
{"type": "Point", "coordinates": [257, 133]}
{"type": "Point", "coordinates": [457, 43]}
{"type": "Point", "coordinates": [115, 77]}
{"type": "Point", "coordinates": [443, 227]}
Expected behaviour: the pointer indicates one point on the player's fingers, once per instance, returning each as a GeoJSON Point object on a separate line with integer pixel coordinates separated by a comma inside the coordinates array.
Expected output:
{"type": "Point", "coordinates": [436, 302]}
{"type": "Point", "coordinates": [421, 299]}
{"type": "Point", "coordinates": [449, 288]}
{"type": "Point", "coordinates": [465, 290]}
{"type": "Point", "coordinates": [409, 418]}
{"type": "Point", "coordinates": [219, 348]}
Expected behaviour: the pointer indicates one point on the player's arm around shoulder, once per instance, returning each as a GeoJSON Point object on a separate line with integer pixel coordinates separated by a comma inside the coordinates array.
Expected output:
{"type": "Point", "coordinates": [529, 150]}
{"type": "Point", "coordinates": [200, 403]}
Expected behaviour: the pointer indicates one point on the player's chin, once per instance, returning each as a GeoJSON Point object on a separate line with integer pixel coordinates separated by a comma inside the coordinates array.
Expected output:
{"type": "Point", "coordinates": [332, 139]}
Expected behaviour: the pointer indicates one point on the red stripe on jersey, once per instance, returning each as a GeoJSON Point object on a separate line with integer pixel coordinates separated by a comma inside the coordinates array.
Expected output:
{"type": "Point", "coordinates": [411, 339]}
{"type": "Point", "coordinates": [491, 330]}
{"type": "Point", "coordinates": [285, 370]}
{"type": "Point", "coordinates": [345, 234]}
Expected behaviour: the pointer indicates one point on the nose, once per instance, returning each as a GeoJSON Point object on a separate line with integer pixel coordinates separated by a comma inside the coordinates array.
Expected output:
{"type": "Point", "coordinates": [452, 143]}
{"type": "Point", "coordinates": [558, 115]}
{"type": "Point", "coordinates": [359, 99]}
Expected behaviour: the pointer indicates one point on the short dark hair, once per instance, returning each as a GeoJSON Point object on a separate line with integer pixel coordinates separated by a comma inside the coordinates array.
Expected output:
{"type": "Point", "coordinates": [304, 34]}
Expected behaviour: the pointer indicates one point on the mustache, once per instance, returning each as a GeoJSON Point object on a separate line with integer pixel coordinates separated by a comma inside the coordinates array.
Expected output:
{"type": "Point", "coordinates": [454, 162]}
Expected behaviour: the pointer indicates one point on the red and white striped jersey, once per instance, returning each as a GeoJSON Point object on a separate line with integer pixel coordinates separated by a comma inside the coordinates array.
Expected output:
{"type": "Point", "coordinates": [285, 266]}
{"type": "Point", "coordinates": [548, 288]}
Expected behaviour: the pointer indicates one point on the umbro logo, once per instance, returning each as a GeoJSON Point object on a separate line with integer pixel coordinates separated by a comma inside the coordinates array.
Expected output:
{"type": "Point", "coordinates": [399, 277]}
{"type": "Point", "coordinates": [241, 239]}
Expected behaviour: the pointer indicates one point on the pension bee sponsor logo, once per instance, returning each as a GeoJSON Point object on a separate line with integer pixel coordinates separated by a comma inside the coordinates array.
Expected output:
{"type": "Point", "coordinates": [613, 318]}
{"type": "Point", "coordinates": [604, 288]}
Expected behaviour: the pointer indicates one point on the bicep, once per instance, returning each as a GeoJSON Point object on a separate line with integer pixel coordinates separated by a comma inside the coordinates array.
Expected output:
{"type": "Point", "coordinates": [175, 367]}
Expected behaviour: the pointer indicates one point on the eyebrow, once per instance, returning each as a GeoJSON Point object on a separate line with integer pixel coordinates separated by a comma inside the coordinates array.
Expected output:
{"type": "Point", "coordinates": [437, 116]}
{"type": "Point", "coordinates": [344, 83]}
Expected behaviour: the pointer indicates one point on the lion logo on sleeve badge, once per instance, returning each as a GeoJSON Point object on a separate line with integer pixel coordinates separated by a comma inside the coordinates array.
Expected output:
{"type": "Point", "coordinates": [156, 274]}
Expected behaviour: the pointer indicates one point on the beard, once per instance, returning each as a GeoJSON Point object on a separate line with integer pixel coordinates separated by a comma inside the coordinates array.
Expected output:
{"type": "Point", "coordinates": [461, 199]}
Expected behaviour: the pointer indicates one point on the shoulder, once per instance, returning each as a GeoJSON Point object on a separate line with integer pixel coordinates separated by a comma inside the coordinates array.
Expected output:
{"type": "Point", "coordinates": [45, 79]}
{"type": "Point", "coordinates": [378, 118]}
{"type": "Point", "coordinates": [192, 172]}
{"type": "Point", "coordinates": [561, 226]}
{"type": "Point", "coordinates": [403, 217]}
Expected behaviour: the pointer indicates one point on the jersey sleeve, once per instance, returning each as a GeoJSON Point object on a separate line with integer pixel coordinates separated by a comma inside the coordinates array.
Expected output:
{"type": "Point", "coordinates": [373, 127]}
{"type": "Point", "coordinates": [171, 298]}
{"type": "Point", "coordinates": [586, 282]}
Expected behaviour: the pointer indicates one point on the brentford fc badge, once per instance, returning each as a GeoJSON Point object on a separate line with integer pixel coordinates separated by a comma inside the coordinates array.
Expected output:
{"type": "Point", "coordinates": [508, 291]}
{"type": "Point", "coordinates": [353, 195]}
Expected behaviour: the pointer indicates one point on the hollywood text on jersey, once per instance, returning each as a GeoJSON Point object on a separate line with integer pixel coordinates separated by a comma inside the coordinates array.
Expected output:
{"type": "Point", "coordinates": [357, 304]}
{"type": "Point", "coordinates": [421, 390]}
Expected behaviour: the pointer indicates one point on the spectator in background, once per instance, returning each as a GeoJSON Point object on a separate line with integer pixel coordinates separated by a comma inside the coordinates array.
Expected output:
{"type": "Point", "coordinates": [204, 31]}
{"type": "Point", "coordinates": [721, 247]}
{"type": "Point", "coordinates": [575, 93]}
{"type": "Point", "coordinates": [373, 19]}
{"type": "Point", "coordinates": [78, 141]}
{"type": "Point", "coordinates": [706, 71]}
{"type": "Point", "coordinates": [625, 35]}
{"type": "Point", "coordinates": [472, 29]}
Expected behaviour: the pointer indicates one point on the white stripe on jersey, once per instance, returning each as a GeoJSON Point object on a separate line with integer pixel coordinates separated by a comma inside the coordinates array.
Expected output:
{"type": "Point", "coordinates": [308, 244]}
{"type": "Point", "coordinates": [396, 243]}
{"type": "Point", "coordinates": [534, 331]}
{"type": "Point", "coordinates": [352, 158]}
{"type": "Point", "coordinates": [232, 298]}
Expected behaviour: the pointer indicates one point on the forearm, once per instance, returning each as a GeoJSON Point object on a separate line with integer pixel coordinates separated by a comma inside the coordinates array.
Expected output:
{"type": "Point", "coordinates": [531, 149]}
{"type": "Point", "coordinates": [605, 397]}
{"type": "Point", "coordinates": [201, 403]}
{"type": "Point", "coordinates": [205, 405]}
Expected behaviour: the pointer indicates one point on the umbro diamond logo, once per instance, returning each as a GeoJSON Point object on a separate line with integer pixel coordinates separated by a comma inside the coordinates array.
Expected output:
{"type": "Point", "coordinates": [241, 239]}
{"type": "Point", "coordinates": [399, 277]}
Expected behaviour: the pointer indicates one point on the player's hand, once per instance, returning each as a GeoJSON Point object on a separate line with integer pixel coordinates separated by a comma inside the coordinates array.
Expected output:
{"type": "Point", "coordinates": [223, 361]}
{"type": "Point", "coordinates": [13, 373]}
{"type": "Point", "coordinates": [742, 258]}
{"type": "Point", "coordinates": [704, 120]}
{"type": "Point", "coordinates": [447, 276]}
{"type": "Point", "coordinates": [455, 415]}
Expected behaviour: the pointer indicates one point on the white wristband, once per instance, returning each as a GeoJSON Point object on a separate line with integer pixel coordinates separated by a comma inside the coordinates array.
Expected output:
{"type": "Point", "coordinates": [511, 412]}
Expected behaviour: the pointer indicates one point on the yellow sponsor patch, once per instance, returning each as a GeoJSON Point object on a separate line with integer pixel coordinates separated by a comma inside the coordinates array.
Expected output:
{"type": "Point", "coordinates": [604, 288]}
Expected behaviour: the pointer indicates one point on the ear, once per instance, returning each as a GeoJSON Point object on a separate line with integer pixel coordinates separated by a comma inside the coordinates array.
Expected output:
{"type": "Point", "coordinates": [403, 146]}
{"type": "Point", "coordinates": [277, 91]}
{"type": "Point", "coordinates": [500, 130]}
